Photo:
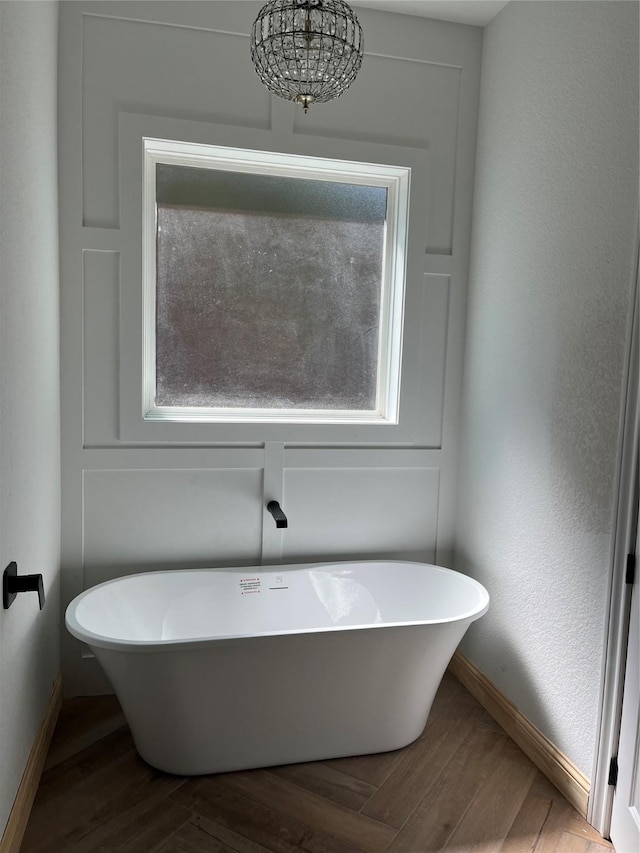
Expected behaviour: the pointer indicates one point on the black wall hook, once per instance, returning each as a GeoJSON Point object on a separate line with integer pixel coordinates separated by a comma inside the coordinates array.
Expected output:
{"type": "Point", "coordinates": [13, 583]}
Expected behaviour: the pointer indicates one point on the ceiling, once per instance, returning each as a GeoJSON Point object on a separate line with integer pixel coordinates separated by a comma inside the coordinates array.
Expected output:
{"type": "Point", "coordinates": [475, 12]}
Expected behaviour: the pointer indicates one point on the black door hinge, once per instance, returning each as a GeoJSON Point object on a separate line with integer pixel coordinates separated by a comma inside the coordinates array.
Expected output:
{"type": "Point", "coordinates": [613, 771]}
{"type": "Point", "coordinates": [630, 575]}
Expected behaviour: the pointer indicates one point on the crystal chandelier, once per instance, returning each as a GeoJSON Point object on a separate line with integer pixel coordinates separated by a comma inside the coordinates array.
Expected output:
{"type": "Point", "coordinates": [307, 51]}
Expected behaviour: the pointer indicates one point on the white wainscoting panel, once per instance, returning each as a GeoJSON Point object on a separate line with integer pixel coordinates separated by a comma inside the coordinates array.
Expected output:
{"type": "Point", "coordinates": [138, 520]}
{"type": "Point", "coordinates": [132, 65]}
{"type": "Point", "coordinates": [348, 513]}
{"type": "Point", "coordinates": [101, 275]}
{"type": "Point", "coordinates": [408, 103]}
{"type": "Point", "coordinates": [426, 327]}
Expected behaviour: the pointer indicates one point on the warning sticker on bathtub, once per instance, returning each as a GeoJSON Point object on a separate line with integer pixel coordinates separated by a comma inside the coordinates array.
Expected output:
{"type": "Point", "coordinates": [249, 586]}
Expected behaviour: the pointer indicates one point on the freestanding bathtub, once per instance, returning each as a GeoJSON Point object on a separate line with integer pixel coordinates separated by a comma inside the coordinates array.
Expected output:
{"type": "Point", "coordinates": [221, 670]}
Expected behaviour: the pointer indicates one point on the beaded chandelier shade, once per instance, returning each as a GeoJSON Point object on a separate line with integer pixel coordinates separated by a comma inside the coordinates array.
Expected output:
{"type": "Point", "coordinates": [307, 51]}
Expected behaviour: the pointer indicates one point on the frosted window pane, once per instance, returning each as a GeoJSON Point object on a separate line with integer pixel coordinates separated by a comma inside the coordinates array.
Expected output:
{"type": "Point", "coordinates": [263, 308]}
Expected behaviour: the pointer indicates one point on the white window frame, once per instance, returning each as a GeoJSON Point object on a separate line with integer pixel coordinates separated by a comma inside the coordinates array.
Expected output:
{"type": "Point", "coordinates": [425, 310]}
{"type": "Point", "coordinates": [221, 158]}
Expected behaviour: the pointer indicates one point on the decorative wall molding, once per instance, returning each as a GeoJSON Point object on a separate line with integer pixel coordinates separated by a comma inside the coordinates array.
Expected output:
{"type": "Point", "coordinates": [189, 516]}
{"type": "Point", "coordinates": [570, 781]}
{"type": "Point", "coordinates": [19, 816]}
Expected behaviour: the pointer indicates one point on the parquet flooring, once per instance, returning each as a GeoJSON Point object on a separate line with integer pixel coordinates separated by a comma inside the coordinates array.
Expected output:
{"type": "Point", "coordinates": [462, 786]}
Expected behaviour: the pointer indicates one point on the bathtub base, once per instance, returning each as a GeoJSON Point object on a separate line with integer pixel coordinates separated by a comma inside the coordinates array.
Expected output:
{"type": "Point", "coordinates": [260, 702]}
{"type": "Point", "coordinates": [255, 758]}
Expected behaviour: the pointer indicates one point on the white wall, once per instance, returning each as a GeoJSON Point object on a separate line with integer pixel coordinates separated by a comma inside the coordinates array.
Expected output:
{"type": "Point", "coordinates": [29, 384]}
{"type": "Point", "coordinates": [549, 311]}
{"type": "Point", "coordinates": [189, 499]}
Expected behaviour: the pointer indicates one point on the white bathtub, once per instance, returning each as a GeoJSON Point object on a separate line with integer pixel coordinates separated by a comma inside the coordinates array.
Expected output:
{"type": "Point", "coordinates": [221, 670]}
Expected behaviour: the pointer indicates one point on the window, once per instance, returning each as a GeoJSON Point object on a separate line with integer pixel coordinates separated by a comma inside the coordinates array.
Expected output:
{"type": "Point", "coordinates": [273, 286]}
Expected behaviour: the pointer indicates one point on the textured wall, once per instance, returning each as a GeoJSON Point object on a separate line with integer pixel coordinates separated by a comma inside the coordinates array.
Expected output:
{"type": "Point", "coordinates": [29, 385]}
{"type": "Point", "coordinates": [550, 286]}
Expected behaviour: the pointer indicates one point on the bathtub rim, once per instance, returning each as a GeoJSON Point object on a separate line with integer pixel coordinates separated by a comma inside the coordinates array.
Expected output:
{"type": "Point", "coordinates": [90, 638]}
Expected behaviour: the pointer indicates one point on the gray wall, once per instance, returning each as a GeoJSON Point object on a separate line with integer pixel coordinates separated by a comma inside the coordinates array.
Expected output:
{"type": "Point", "coordinates": [29, 385]}
{"type": "Point", "coordinates": [552, 271]}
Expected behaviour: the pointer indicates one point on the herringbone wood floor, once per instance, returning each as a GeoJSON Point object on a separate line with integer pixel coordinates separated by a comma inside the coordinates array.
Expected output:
{"type": "Point", "coordinates": [462, 786]}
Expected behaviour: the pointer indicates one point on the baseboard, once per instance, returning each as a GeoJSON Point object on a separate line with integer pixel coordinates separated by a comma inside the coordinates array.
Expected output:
{"type": "Point", "coordinates": [23, 803]}
{"type": "Point", "coordinates": [570, 781]}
